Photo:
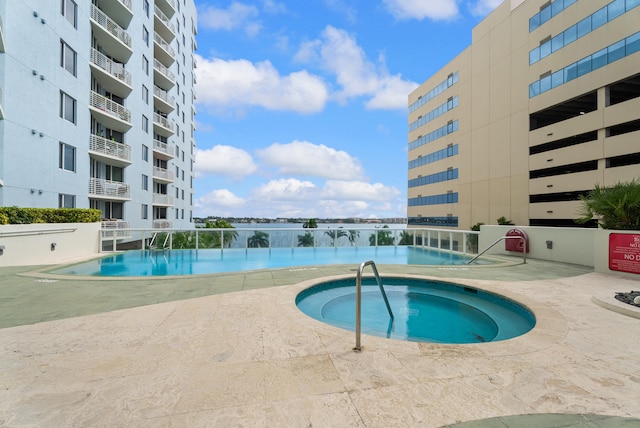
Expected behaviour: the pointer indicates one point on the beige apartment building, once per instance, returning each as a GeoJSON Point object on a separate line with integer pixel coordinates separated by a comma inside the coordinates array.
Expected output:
{"type": "Point", "coordinates": [543, 105]}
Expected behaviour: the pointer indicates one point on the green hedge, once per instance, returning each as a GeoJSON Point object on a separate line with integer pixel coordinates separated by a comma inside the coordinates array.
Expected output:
{"type": "Point", "coordinates": [15, 215]}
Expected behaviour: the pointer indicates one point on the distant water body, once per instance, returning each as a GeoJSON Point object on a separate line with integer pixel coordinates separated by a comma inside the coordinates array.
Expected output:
{"type": "Point", "coordinates": [320, 225]}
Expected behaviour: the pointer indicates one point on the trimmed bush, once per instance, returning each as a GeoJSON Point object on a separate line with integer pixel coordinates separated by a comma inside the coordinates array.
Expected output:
{"type": "Point", "coordinates": [15, 215]}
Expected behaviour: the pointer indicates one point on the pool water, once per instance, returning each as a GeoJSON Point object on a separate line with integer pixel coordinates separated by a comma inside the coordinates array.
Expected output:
{"type": "Point", "coordinates": [424, 310]}
{"type": "Point", "coordinates": [190, 262]}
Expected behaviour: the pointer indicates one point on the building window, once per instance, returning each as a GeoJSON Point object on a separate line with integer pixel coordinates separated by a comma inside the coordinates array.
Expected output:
{"type": "Point", "coordinates": [145, 7]}
{"type": "Point", "coordinates": [70, 11]}
{"type": "Point", "coordinates": [145, 124]}
{"type": "Point", "coordinates": [67, 107]}
{"type": "Point", "coordinates": [67, 158]}
{"type": "Point", "coordinates": [145, 211]}
{"type": "Point", "coordinates": [145, 35]}
{"type": "Point", "coordinates": [145, 65]}
{"type": "Point", "coordinates": [145, 182]}
{"type": "Point", "coordinates": [68, 58]}
{"type": "Point", "coordinates": [145, 153]}
{"type": "Point", "coordinates": [66, 201]}
{"type": "Point", "coordinates": [145, 94]}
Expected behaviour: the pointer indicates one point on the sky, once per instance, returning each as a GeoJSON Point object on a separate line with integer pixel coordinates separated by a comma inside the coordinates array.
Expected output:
{"type": "Point", "coordinates": [302, 104]}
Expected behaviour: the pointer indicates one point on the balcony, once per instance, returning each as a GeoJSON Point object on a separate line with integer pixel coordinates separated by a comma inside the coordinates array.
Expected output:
{"type": "Point", "coordinates": [111, 75]}
{"type": "Point", "coordinates": [106, 189]}
{"type": "Point", "coordinates": [162, 76]}
{"type": "Point", "coordinates": [162, 25]}
{"type": "Point", "coordinates": [116, 229]}
{"type": "Point", "coordinates": [162, 150]}
{"type": "Point", "coordinates": [111, 152]}
{"type": "Point", "coordinates": [113, 38]}
{"type": "Point", "coordinates": [163, 126]}
{"type": "Point", "coordinates": [162, 200]}
{"type": "Point", "coordinates": [118, 10]}
{"type": "Point", "coordinates": [162, 51]}
{"type": "Point", "coordinates": [162, 175]}
{"type": "Point", "coordinates": [167, 6]}
{"type": "Point", "coordinates": [113, 115]}
{"type": "Point", "coordinates": [162, 100]}
{"type": "Point", "coordinates": [162, 224]}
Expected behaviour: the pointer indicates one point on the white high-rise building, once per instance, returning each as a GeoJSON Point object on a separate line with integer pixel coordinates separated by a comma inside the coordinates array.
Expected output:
{"type": "Point", "coordinates": [97, 107]}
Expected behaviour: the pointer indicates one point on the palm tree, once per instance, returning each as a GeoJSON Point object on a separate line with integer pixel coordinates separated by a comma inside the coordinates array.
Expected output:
{"type": "Point", "coordinates": [228, 237]}
{"type": "Point", "coordinates": [258, 240]}
{"type": "Point", "coordinates": [310, 224]}
{"type": "Point", "coordinates": [615, 207]}
{"type": "Point", "coordinates": [406, 238]}
{"type": "Point", "coordinates": [384, 237]}
{"type": "Point", "coordinates": [305, 240]}
{"type": "Point", "coordinates": [335, 234]}
{"type": "Point", "coordinates": [353, 236]}
{"type": "Point", "coordinates": [183, 240]}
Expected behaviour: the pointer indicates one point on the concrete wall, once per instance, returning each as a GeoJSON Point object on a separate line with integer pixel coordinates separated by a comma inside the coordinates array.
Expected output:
{"type": "Point", "coordinates": [31, 244]}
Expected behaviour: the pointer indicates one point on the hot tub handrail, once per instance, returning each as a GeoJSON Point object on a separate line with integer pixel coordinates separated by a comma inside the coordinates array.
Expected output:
{"type": "Point", "coordinates": [359, 297]}
{"type": "Point", "coordinates": [524, 246]}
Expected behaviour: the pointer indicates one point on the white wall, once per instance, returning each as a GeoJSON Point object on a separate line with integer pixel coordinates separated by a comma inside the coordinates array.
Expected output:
{"type": "Point", "coordinates": [30, 244]}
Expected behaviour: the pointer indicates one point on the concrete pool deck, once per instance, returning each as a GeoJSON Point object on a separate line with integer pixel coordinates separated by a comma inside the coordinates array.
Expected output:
{"type": "Point", "coordinates": [233, 350]}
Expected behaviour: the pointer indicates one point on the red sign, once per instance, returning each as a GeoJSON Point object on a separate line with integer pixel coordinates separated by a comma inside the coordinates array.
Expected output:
{"type": "Point", "coordinates": [624, 252]}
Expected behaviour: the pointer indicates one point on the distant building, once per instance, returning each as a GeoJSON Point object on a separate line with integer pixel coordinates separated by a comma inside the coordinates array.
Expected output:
{"type": "Point", "coordinates": [97, 107]}
{"type": "Point", "coordinates": [543, 105]}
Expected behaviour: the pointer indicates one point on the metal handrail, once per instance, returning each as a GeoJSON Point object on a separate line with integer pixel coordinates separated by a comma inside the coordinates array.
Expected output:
{"type": "Point", "coordinates": [524, 248]}
{"type": "Point", "coordinates": [359, 298]}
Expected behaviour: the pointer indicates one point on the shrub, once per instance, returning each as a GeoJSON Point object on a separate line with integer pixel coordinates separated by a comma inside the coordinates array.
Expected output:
{"type": "Point", "coordinates": [15, 215]}
{"type": "Point", "coordinates": [615, 207]}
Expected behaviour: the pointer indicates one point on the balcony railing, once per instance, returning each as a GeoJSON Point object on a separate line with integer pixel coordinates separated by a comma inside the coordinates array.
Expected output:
{"type": "Point", "coordinates": [116, 229]}
{"type": "Point", "coordinates": [163, 70]}
{"type": "Point", "coordinates": [109, 148]}
{"type": "Point", "coordinates": [162, 17]}
{"type": "Point", "coordinates": [163, 44]}
{"type": "Point", "coordinates": [162, 224]}
{"type": "Point", "coordinates": [110, 25]}
{"type": "Point", "coordinates": [163, 121]}
{"type": "Point", "coordinates": [162, 173]}
{"type": "Point", "coordinates": [109, 189]}
{"type": "Point", "coordinates": [162, 199]}
{"type": "Point", "coordinates": [110, 107]}
{"type": "Point", "coordinates": [164, 95]}
{"type": "Point", "coordinates": [113, 68]}
{"type": "Point", "coordinates": [162, 147]}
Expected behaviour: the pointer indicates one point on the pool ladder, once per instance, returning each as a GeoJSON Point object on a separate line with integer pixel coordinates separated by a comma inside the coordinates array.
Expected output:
{"type": "Point", "coordinates": [359, 298]}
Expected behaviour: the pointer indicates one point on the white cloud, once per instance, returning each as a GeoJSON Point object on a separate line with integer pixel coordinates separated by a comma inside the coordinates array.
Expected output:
{"type": "Point", "coordinates": [311, 160]}
{"type": "Point", "coordinates": [359, 191]}
{"type": "Point", "coordinates": [338, 52]}
{"type": "Point", "coordinates": [484, 7]}
{"type": "Point", "coordinates": [286, 189]}
{"type": "Point", "coordinates": [273, 7]}
{"type": "Point", "coordinates": [237, 15]}
{"type": "Point", "coordinates": [219, 202]}
{"type": "Point", "coordinates": [237, 83]}
{"type": "Point", "coordinates": [224, 161]}
{"type": "Point", "coordinates": [420, 9]}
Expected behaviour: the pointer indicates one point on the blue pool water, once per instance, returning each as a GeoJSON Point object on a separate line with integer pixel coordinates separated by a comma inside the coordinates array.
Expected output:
{"type": "Point", "coordinates": [424, 310]}
{"type": "Point", "coordinates": [190, 262]}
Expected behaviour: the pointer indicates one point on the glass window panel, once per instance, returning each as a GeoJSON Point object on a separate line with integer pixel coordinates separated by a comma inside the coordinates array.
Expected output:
{"type": "Point", "coordinates": [615, 9]}
{"type": "Point", "coordinates": [534, 89]}
{"type": "Point", "coordinates": [534, 56]}
{"type": "Point", "coordinates": [570, 34]}
{"type": "Point", "coordinates": [584, 26]}
{"type": "Point", "coordinates": [545, 84]}
{"type": "Point", "coordinates": [599, 59]}
{"type": "Point", "coordinates": [570, 72]}
{"type": "Point", "coordinates": [633, 44]}
{"type": "Point", "coordinates": [557, 42]}
{"type": "Point", "coordinates": [545, 49]}
{"type": "Point", "coordinates": [599, 18]}
{"type": "Point", "coordinates": [616, 51]}
{"type": "Point", "coordinates": [557, 7]}
{"type": "Point", "coordinates": [584, 66]}
{"type": "Point", "coordinates": [545, 14]}
{"type": "Point", "coordinates": [534, 22]}
{"type": "Point", "coordinates": [557, 78]}
{"type": "Point", "coordinates": [568, 3]}
{"type": "Point", "coordinates": [632, 3]}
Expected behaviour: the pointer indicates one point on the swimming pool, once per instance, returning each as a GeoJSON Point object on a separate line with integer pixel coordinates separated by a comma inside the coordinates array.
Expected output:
{"type": "Point", "coordinates": [191, 262]}
{"type": "Point", "coordinates": [424, 310]}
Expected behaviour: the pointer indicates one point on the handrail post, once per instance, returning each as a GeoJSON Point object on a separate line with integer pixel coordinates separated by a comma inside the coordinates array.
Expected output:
{"type": "Point", "coordinates": [359, 298]}
{"type": "Point", "coordinates": [524, 248]}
